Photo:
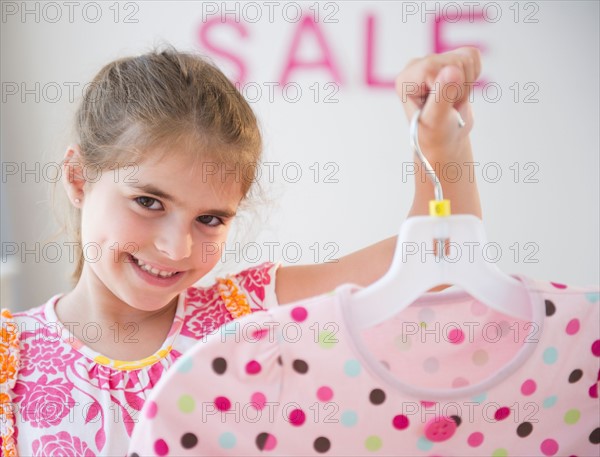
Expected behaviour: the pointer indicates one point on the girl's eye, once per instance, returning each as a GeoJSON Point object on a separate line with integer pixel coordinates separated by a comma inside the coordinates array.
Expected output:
{"type": "Point", "coordinates": [148, 203]}
{"type": "Point", "coordinates": [211, 221]}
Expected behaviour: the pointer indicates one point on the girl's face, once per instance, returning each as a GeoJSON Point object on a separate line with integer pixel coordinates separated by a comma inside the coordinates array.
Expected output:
{"type": "Point", "coordinates": [153, 229]}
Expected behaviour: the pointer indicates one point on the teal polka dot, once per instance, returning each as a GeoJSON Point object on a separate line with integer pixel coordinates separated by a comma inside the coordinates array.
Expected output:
{"type": "Point", "coordinates": [550, 401]}
{"type": "Point", "coordinates": [550, 355]}
{"type": "Point", "coordinates": [593, 297]}
{"type": "Point", "coordinates": [227, 440]}
{"type": "Point", "coordinates": [185, 365]}
{"type": "Point", "coordinates": [349, 418]}
{"type": "Point", "coordinates": [424, 444]}
{"type": "Point", "coordinates": [352, 368]}
{"type": "Point", "coordinates": [479, 398]}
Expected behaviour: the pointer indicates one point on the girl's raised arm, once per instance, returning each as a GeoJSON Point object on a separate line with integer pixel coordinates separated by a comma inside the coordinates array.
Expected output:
{"type": "Point", "coordinates": [445, 80]}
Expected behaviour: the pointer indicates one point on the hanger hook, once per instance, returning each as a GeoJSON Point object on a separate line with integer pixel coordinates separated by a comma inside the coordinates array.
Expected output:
{"type": "Point", "coordinates": [414, 141]}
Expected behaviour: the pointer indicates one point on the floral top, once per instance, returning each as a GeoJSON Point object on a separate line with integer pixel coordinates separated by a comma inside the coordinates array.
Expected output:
{"type": "Point", "coordinates": [59, 397]}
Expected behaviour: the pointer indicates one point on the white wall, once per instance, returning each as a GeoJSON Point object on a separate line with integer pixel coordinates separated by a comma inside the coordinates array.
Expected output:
{"type": "Point", "coordinates": [364, 135]}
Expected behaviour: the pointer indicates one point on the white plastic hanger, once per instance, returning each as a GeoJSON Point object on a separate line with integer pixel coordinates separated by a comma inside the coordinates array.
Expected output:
{"type": "Point", "coordinates": [416, 268]}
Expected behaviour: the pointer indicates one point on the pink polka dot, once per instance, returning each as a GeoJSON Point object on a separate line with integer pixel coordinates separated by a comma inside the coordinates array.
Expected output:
{"type": "Point", "coordinates": [260, 333]}
{"type": "Point", "coordinates": [478, 308]}
{"type": "Point", "coordinates": [270, 443]}
{"type": "Point", "coordinates": [297, 417]}
{"type": "Point", "coordinates": [299, 313]}
{"type": "Point", "coordinates": [400, 422]}
{"type": "Point", "coordinates": [528, 387]}
{"type": "Point", "coordinates": [456, 336]}
{"type": "Point", "coordinates": [558, 285]}
{"type": "Point", "coordinates": [594, 391]}
{"type": "Point", "coordinates": [161, 448]}
{"type": "Point", "coordinates": [427, 404]}
{"type": "Point", "coordinates": [151, 410]}
{"type": "Point", "coordinates": [222, 403]}
{"type": "Point", "coordinates": [258, 400]}
{"type": "Point", "coordinates": [502, 413]}
{"type": "Point", "coordinates": [459, 382]}
{"type": "Point", "coordinates": [475, 439]}
{"type": "Point", "coordinates": [324, 393]}
{"type": "Point", "coordinates": [549, 447]}
{"type": "Point", "coordinates": [596, 348]}
{"type": "Point", "coordinates": [253, 367]}
{"type": "Point", "coordinates": [573, 327]}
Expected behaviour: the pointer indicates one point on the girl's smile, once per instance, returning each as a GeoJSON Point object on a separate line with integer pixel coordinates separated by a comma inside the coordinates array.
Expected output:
{"type": "Point", "coordinates": [153, 274]}
{"type": "Point", "coordinates": [156, 228]}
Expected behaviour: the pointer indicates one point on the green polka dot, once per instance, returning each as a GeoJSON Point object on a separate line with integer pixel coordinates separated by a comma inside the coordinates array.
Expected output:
{"type": "Point", "coordinates": [352, 368]}
{"type": "Point", "coordinates": [424, 444]}
{"type": "Point", "coordinates": [349, 418]}
{"type": "Point", "coordinates": [227, 440]}
{"type": "Point", "coordinates": [572, 416]}
{"type": "Point", "coordinates": [593, 297]}
{"type": "Point", "coordinates": [550, 355]}
{"type": "Point", "coordinates": [373, 443]}
{"type": "Point", "coordinates": [549, 402]}
{"type": "Point", "coordinates": [500, 452]}
{"type": "Point", "coordinates": [327, 339]}
{"type": "Point", "coordinates": [186, 404]}
{"type": "Point", "coordinates": [423, 324]}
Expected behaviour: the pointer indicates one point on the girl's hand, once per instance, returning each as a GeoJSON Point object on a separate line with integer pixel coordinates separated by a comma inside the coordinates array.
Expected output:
{"type": "Point", "coordinates": [439, 84]}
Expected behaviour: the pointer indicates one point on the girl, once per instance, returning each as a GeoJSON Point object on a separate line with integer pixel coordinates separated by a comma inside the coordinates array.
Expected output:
{"type": "Point", "coordinates": [76, 370]}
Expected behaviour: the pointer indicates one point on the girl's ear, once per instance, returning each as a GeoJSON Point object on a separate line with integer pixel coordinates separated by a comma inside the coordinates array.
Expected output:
{"type": "Point", "coordinates": [72, 175]}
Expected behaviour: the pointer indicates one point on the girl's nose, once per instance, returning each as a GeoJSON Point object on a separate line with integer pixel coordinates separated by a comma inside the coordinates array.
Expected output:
{"type": "Point", "coordinates": [175, 244]}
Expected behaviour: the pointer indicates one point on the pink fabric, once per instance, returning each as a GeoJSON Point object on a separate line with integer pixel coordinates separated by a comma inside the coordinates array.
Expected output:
{"type": "Point", "coordinates": [68, 404]}
{"type": "Point", "coordinates": [445, 377]}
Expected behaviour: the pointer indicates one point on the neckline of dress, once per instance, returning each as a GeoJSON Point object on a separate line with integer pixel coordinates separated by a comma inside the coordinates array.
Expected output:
{"type": "Point", "coordinates": [122, 365]}
{"type": "Point", "coordinates": [431, 298]}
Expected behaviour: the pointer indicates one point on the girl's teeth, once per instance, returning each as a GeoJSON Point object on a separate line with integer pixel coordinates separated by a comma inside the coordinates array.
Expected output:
{"type": "Point", "coordinates": [153, 271]}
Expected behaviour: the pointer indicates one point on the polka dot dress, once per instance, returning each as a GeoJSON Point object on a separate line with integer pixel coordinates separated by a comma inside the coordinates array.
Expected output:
{"type": "Point", "coordinates": [447, 376]}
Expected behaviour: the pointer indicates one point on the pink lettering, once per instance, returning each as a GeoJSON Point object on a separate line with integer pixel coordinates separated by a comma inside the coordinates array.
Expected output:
{"type": "Point", "coordinates": [206, 42]}
{"type": "Point", "coordinates": [441, 45]}
{"type": "Point", "coordinates": [370, 77]}
{"type": "Point", "coordinates": [308, 25]}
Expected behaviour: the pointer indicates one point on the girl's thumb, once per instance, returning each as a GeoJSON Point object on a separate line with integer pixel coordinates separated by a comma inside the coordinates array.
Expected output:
{"type": "Point", "coordinates": [448, 92]}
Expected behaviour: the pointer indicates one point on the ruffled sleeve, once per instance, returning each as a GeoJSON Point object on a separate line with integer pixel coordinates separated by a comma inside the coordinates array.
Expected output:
{"type": "Point", "coordinates": [9, 367]}
{"type": "Point", "coordinates": [250, 290]}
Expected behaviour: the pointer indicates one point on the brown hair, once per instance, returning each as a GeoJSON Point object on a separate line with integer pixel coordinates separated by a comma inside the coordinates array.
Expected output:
{"type": "Point", "coordinates": [157, 98]}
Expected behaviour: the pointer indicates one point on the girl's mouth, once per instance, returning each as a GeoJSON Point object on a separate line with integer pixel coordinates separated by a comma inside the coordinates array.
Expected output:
{"type": "Point", "coordinates": [153, 275]}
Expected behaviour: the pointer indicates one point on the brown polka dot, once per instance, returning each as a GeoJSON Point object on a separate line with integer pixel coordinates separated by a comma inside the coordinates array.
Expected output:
{"type": "Point", "coordinates": [456, 419]}
{"type": "Point", "coordinates": [595, 436]}
{"type": "Point", "coordinates": [550, 308]}
{"type": "Point", "coordinates": [377, 396]}
{"type": "Point", "coordinates": [219, 365]}
{"type": "Point", "coordinates": [189, 440]}
{"type": "Point", "coordinates": [322, 444]}
{"type": "Point", "coordinates": [300, 366]}
{"type": "Point", "coordinates": [261, 439]}
{"type": "Point", "coordinates": [135, 454]}
{"type": "Point", "coordinates": [279, 361]}
{"type": "Point", "coordinates": [575, 375]}
{"type": "Point", "coordinates": [524, 429]}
